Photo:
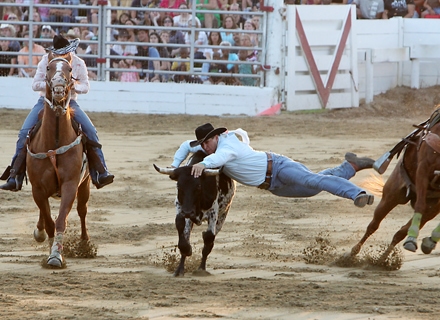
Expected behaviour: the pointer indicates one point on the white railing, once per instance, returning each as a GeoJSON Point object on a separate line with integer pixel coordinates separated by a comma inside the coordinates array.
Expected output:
{"type": "Point", "coordinates": [103, 56]}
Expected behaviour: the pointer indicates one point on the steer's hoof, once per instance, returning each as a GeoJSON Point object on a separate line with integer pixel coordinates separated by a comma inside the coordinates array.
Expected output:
{"type": "Point", "coordinates": [428, 245]}
{"type": "Point", "coordinates": [410, 244]}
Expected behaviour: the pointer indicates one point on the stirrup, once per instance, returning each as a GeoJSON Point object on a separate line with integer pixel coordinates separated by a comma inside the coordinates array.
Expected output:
{"type": "Point", "coordinates": [14, 184]}
{"type": "Point", "coordinates": [6, 173]}
{"type": "Point", "coordinates": [100, 180]}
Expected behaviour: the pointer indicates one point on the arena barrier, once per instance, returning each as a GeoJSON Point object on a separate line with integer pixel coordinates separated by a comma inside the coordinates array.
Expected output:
{"type": "Point", "coordinates": [345, 62]}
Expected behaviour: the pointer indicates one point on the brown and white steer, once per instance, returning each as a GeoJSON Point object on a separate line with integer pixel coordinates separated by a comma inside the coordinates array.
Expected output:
{"type": "Point", "coordinates": [207, 198]}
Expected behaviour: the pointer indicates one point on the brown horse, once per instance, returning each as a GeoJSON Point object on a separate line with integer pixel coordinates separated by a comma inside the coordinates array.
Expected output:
{"type": "Point", "coordinates": [416, 179]}
{"type": "Point", "coordinates": [56, 163]}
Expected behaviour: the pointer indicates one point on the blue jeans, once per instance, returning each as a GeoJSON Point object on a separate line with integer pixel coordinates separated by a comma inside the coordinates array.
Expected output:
{"type": "Point", "coordinates": [79, 116]}
{"type": "Point", "coordinates": [293, 179]}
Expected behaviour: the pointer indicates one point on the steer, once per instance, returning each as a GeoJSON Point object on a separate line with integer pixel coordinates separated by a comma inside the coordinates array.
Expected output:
{"type": "Point", "coordinates": [208, 197]}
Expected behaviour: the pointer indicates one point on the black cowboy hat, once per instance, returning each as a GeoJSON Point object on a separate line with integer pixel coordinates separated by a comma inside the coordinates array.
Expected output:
{"type": "Point", "coordinates": [205, 132]}
{"type": "Point", "coordinates": [62, 45]}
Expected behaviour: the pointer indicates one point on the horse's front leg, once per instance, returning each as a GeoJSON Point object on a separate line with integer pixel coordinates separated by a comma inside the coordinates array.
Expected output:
{"type": "Point", "coordinates": [45, 224]}
{"type": "Point", "coordinates": [420, 208]}
{"type": "Point", "coordinates": [68, 194]}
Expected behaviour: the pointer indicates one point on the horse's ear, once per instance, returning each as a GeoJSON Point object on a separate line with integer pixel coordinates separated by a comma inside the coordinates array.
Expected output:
{"type": "Point", "coordinates": [50, 56]}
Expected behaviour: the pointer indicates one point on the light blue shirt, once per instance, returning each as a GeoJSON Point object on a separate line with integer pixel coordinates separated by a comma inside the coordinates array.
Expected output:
{"type": "Point", "coordinates": [238, 159]}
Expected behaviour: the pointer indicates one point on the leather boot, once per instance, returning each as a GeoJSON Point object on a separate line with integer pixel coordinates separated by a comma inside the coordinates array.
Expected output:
{"type": "Point", "coordinates": [359, 163]}
{"type": "Point", "coordinates": [98, 172]}
{"type": "Point", "coordinates": [17, 172]}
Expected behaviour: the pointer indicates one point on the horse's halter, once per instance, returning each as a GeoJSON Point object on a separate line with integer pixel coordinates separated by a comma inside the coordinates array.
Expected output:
{"type": "Point", "coordinates": [60, 87]}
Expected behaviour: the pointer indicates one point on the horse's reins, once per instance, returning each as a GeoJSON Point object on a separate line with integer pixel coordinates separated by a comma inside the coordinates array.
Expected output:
{"type": "Point", "coordinates": [51, 154]}
{"type": "Point", "coordinates": [432, 140]}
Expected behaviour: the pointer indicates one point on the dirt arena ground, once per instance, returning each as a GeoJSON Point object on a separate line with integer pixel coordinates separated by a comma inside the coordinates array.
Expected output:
{"type": "Point", "coordinates": [275, 257]}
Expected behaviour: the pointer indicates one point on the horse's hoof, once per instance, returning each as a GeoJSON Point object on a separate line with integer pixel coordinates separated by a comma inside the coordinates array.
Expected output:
{"type": "Point", "coordinates": [55, 260]}
{"type": "Point", "coordinates": [428, 245]}
{"type": "Point", "coordinates": [39, 236]}
{"type": "Point", "coordinates": [410, 244]}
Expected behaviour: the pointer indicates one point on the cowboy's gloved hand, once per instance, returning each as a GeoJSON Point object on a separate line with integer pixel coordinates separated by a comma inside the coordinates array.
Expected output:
{"type": "Point", "coordinates": [197, 169]}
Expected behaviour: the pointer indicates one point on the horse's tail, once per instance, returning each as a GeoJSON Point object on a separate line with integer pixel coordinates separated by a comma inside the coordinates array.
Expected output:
{"type": "Point", "coordinates": [374, 184]}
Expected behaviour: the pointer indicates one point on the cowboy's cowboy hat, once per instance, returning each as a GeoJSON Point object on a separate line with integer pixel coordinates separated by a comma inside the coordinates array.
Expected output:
{"type": "Point", "coordinates": [205, 132]}
{"type": "Point", "coordinates": [62, 46]}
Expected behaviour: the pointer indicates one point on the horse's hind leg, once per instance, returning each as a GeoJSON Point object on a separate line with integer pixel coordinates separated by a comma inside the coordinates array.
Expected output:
{"type": "Point", "coordinates": [382, 209]}
{"type": "Point", "coordinates": [398, 236]}
{"type": "Point", "coordinates": [429, 243]}
{"type": "Point", "coordinates": [82, 201]}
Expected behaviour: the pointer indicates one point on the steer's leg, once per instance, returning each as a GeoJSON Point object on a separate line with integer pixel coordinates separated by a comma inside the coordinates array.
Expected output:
{"type": "Point", "coordinates": [209, 236]}
{"type": "Point", "coordinates": [183, 227]}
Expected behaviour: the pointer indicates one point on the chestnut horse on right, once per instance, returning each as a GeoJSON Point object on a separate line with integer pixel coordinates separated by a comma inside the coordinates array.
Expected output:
{"type": "Point", "coordinates": [415, 179]}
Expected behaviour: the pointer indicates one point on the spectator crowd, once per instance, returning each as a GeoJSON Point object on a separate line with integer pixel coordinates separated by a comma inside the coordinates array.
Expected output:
{"type": "Point", "coordinates": [158, 45]}
{"type": "Point", "coordinates": [146, 44]}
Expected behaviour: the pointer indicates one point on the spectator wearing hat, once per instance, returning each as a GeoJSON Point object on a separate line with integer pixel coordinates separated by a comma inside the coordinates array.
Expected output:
{"type": "Point", "coordinates": [73, 33]}
{"type": "Point", "coordinates": [121, 47]}
{"type": "Point", "coordinates": [6, 58]}
{"type": "Point", "coordinates": [23, 57]}
{"type": "Point", "coordinates": [19, 29]}
{"type": "Point", "coordinates": [98, 170]}
{"type": "Point", "coordinates": [46, 33]}
{"type": "Point", "coordinates": [8, 31]}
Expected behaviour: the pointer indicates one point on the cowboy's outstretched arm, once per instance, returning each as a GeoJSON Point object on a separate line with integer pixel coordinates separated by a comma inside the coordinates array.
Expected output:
{"type": "Point", "coordinates": [183, 152]}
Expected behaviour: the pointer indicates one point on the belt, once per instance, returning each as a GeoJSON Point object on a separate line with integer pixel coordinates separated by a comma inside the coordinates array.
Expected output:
{"type": "Point", "coordinates": [266, 184]}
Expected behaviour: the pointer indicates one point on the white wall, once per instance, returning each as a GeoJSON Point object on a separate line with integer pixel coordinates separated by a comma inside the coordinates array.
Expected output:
{"type": "Point", "coordinates": [169, 98]}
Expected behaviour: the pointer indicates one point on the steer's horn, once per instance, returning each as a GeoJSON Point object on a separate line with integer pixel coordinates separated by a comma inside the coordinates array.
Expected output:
{"type": "Point", "coordinates": [167, 171]}
{"type": "Point", "coordinates": [212, 172]}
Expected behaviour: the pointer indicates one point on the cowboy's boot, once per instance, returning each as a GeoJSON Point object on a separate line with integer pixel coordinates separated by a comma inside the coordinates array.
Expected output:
{"type": "Point", "coordinates": [359, 163]}
{"type": "Point", "coordinates": [98, 171]}
{"type": "Point", "coordinates": [17, 172]}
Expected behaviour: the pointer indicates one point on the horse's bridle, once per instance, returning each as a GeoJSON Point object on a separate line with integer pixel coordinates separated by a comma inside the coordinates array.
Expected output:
{"type": "Point", "coordinates": [60, 89]}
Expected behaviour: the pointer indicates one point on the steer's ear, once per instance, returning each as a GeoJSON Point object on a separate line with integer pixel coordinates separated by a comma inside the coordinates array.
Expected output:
{"type": "Point", "coordinates": [174, 176]}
